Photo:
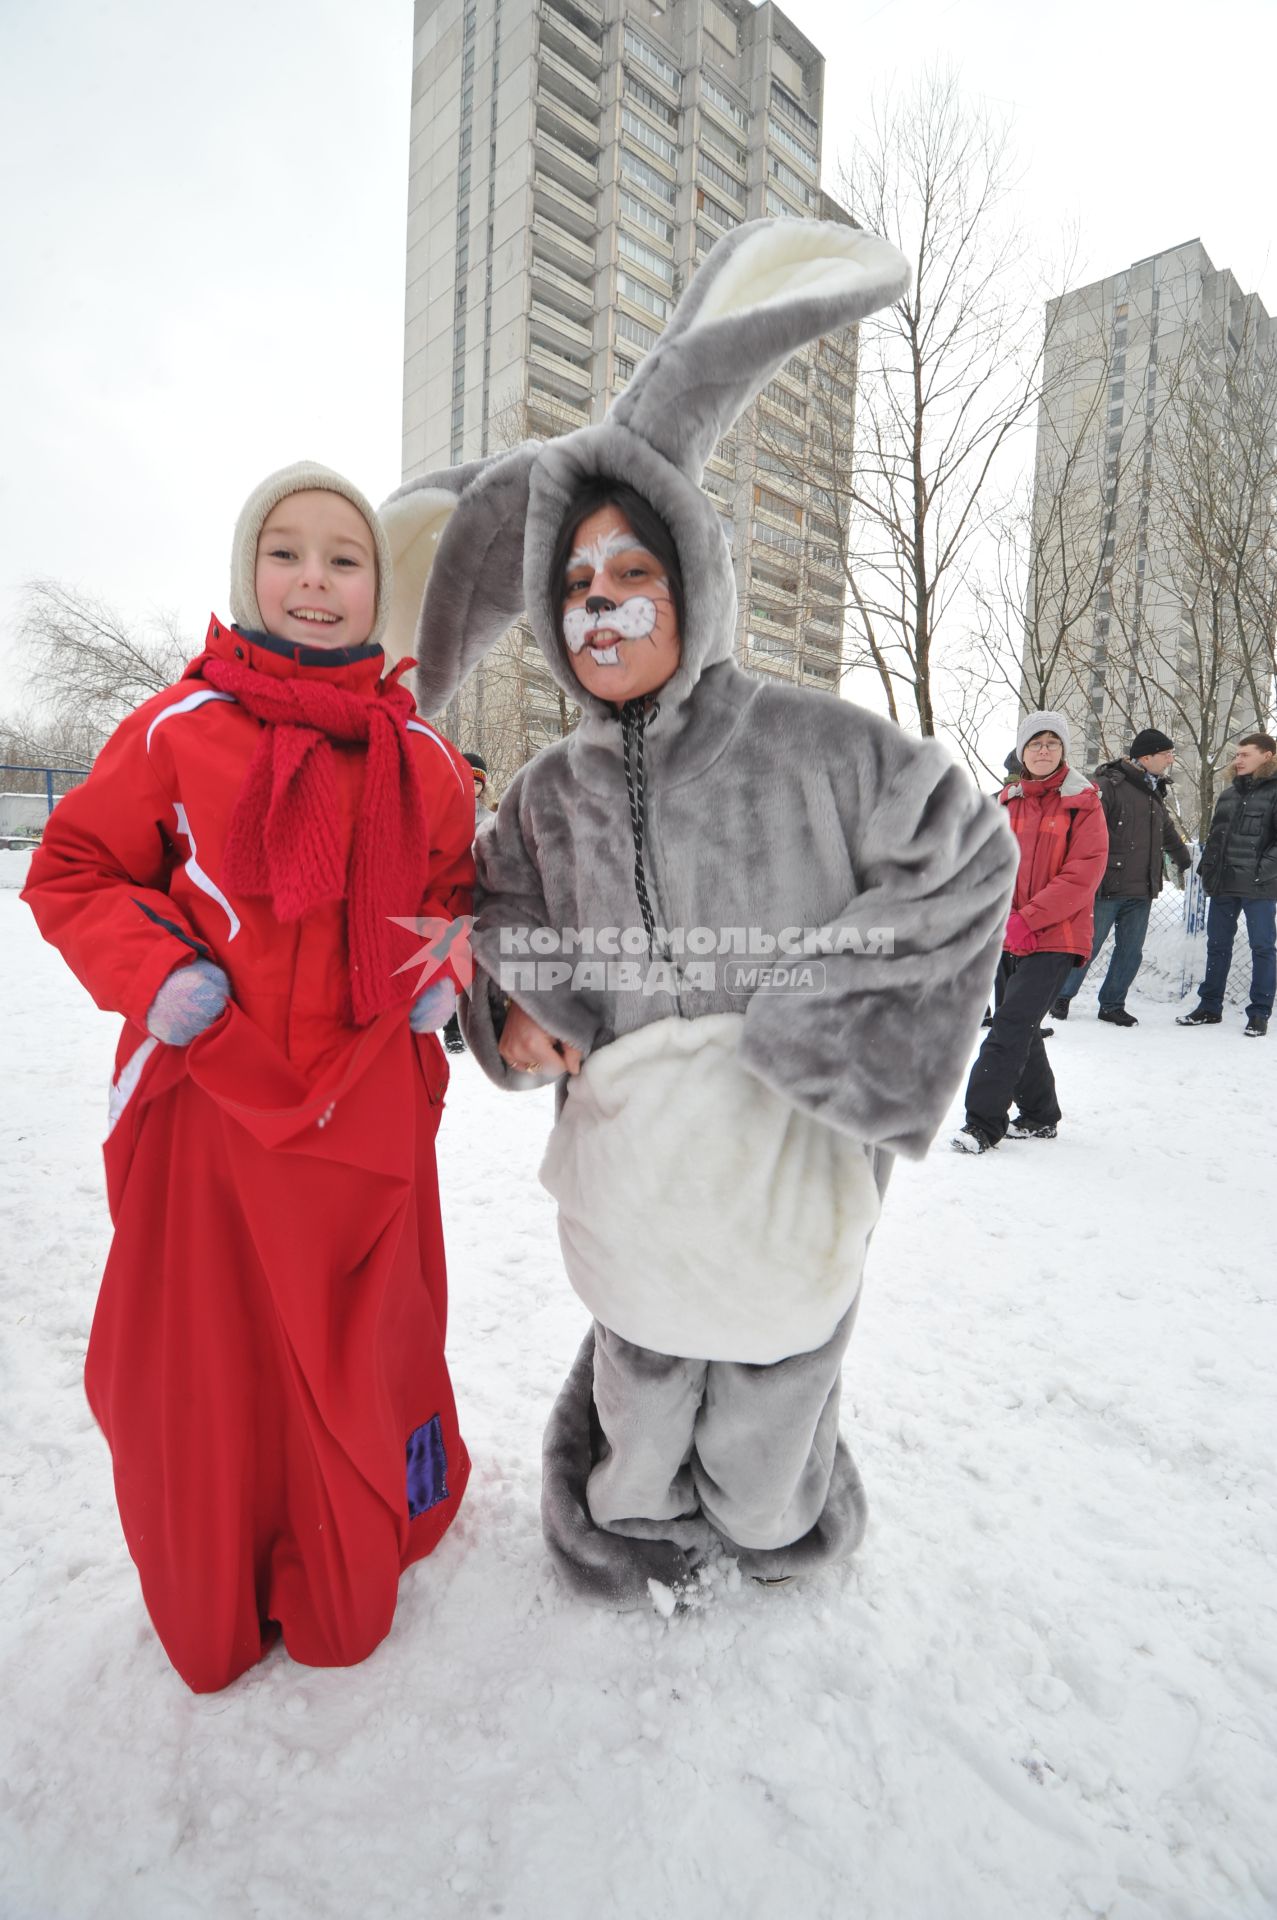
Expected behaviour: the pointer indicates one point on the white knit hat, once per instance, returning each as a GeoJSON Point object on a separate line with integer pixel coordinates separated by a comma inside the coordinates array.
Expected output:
{"type": "Point", "coordinates": [1043, 721]}
{"type": "Point", "coordinates": [303, 476]}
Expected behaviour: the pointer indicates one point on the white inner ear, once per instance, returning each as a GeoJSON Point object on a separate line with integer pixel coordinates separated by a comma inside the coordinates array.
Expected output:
{"type": "Point", "coordinates": [802, 259]}
{"type": "Point", "coordinates": [414, 524]}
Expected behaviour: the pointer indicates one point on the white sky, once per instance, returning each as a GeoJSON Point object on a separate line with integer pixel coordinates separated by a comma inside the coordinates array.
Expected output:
{"type": "Point", "coordinates": [202, 251]}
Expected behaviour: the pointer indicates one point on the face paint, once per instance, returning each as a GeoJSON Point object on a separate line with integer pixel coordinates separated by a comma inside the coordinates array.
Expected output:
{"type": "Point", "coordinates": [631, 619]}
{"type": "Point", "coordinates": [597, 554]}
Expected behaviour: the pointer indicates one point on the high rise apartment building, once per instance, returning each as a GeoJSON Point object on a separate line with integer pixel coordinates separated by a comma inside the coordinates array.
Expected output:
{"type": "Point", "coordinates": [1133, 457]}
{"type": "Point", "coordinates": [571, 162]}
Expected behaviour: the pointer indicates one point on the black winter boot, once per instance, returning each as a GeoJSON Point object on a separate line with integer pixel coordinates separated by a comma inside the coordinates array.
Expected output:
{"type": "Point", "coordinates": [971, 1139]}
{"type": "Point", "coordinates": [1060, 1011]}
{"type": "Point", "coordinates": [1198, 1018]}
{"type": "Point", "coordinates": [1256, 1026]}
{"type": "Point", "coordinates": [1118, 1017]}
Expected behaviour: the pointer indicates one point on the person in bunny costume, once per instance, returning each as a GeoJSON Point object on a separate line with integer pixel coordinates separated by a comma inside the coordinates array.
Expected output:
{"type": "Point", "coordinates": [722, 1141]}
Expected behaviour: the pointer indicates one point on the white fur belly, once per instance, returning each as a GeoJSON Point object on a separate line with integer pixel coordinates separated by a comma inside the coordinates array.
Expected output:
{"type": "Point", "coordinates": [699, 1212]}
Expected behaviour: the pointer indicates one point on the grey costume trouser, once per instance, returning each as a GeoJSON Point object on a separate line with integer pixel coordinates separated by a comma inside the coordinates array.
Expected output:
{"type": "Point", "coordinates": [750, 1447]}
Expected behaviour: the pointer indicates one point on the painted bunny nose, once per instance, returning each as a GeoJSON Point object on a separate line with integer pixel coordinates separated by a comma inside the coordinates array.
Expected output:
{"type": "Point", "coordinates": [599, 603]}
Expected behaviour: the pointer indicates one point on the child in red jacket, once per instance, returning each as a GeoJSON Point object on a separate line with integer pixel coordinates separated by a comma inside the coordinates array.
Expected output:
{"type": "Point", "coordinates": [267, 1354]}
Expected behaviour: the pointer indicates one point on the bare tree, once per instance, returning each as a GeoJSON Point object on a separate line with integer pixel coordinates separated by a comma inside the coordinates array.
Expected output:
{"type": "Point", "coordinates": [86, 665]}
{"type": "Point", "coordinates": [1195, 621]}
{"type": "Point", "coordinates": [1053, 545]}
{"type": "Point", "coordinates": [947, 377]}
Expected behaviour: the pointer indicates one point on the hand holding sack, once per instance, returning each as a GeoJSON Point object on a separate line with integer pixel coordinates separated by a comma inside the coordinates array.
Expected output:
{"type": "Point", "coordinates": [189, 1001]}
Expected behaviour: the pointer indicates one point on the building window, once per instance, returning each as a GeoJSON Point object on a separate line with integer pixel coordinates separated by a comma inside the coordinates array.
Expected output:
{"type": "Point", "coordinates": [623, 369]}
{"type": "Point", "coordinates": [792, 145]}
{"type": "Point", "coordinates": [635, 168]}
{"type": "Point", "coordinates": [721, 178]}
{"type": "Point", "coordinates": [776, 503]}
{"type": "Point", "coordinates": [648, 137]}
{"type": "Point", "coordinates": [780, 209]}
{"type": "Point", "coordinates": [714, 210]}
{"type": "Point", "coordinates": [643, 296]}
{"type": "Point", "coordinates": [627, 328]}
{"type": "Point", "coordinates": [654, 62]}
{"type": "Point", "coordinates": [784, 102]}
{"type": "Point", "coordinates": [717, 98]}
{"type": "Point", "coordinates": [645, 256]}
{"type": "Point", "coordinates": [773, 537]}
{"type": "Point", "coordinates": [711, 137]}
{"type": "Point", "coordinates": [657, 107]}
{"type": "Point", "coordinates": [791, 181]}
{"type": "Point", "coordinates": [644, 216]}
{"type": "Point", "coordinates": [782, 397]}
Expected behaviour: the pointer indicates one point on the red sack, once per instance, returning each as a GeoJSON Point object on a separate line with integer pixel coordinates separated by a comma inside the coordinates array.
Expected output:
{"type": "Point", "coordinates": [267, 1355]}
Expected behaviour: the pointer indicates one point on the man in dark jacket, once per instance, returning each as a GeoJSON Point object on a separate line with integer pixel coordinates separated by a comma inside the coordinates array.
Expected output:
{"type": "Point", "coordinates": [1133, 794]}
{"type": "Point", "coordinates": [1239, 872]}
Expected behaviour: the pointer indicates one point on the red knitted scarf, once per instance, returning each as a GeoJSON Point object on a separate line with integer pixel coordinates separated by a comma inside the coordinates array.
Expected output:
{"type": "Point", "coordinates": [284, 839]}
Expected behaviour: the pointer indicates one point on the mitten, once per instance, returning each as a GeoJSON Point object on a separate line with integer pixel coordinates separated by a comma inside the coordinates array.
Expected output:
{"type": "Point", "coordinates": [189, 1000]}
{"type": "Point", "coordinates": [433, 1007]}
{"type": "Point", "coordinates": [1020, 937]}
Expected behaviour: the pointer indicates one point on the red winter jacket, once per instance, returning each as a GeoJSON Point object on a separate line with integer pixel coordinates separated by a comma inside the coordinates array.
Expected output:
{"type": "Point", "coordinates": [128, 883]}
{"type": "Point", "coordinates": [1059, 823]}
{"type": "Point", "coordinates": [267, 1356]}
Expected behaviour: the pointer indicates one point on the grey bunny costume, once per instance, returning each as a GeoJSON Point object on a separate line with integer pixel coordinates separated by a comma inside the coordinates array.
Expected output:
{"type": "Point", "coordinates": [723, 1283]}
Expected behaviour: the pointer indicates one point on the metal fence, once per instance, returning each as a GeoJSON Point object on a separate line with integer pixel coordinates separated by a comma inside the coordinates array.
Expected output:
{"type": "Point", "coordinates": [1175, 949]}
{"type": "Point", "coordinates": [27, 797]}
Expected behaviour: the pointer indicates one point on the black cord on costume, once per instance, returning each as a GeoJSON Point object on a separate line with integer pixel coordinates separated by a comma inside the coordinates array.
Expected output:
{"type": "Point", "coordinates": [634, 718]}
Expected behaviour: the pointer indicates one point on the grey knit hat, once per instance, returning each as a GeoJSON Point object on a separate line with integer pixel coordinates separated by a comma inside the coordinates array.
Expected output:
{"type": "Point", "coordinates": [304, 476]}
{"type": "Point", "coordinates": [1044, 721]}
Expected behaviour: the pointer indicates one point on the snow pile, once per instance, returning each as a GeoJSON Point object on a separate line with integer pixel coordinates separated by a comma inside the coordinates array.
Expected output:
{"type": "Point", "coordinates": [1045, 1689]}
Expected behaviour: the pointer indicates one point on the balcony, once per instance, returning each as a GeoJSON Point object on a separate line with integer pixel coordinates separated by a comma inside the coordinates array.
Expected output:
{"type": "Point", "coordinates": [562, 78]}
{"type": "Point", "coordinates": [551, 197]}
{"type": "Point", "coordinates": [567, 39]}
{"type": "Point", "coordinates": [563, 20]}
{"type": "Point", "coordinates": [557, 159]}
{"type": "Point", "coordinates": [559, 375]}
{"type": "Point", "coordinates": [562, 331]}
{"type": "Point", "coordinates": [577, 133]}
{"type": "Point", "coordinates": [551, 414]}
{"type": "Point", "coordinates": [776, 619]}
{"type": "Point", "coordinates": [822, 579]}
{"type": "Point", "coordinates": [560, 291]}
{"type": "Point", "coordinates": [568, 254]}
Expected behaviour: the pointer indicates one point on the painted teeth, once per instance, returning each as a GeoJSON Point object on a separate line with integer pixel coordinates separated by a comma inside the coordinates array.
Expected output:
{"type": "Point", "coordinates": [605, 656]}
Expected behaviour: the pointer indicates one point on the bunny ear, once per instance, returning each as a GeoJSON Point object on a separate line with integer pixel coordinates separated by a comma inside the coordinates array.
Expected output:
{"type": "Point", "coordinates": [760, 294]}
{"type": "Point", "coordinates": [456, 538]}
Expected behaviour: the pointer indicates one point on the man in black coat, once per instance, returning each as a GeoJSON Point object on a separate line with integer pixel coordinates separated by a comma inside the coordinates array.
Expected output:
{"type": "Point", "coordinates": [1239, 872]}
{"type": "Point", "coordinates": [1133, 793]}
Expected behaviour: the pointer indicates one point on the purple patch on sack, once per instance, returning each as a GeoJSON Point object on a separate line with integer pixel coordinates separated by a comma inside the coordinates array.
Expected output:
{"type": "Point", "coordinates": [427, 1468]}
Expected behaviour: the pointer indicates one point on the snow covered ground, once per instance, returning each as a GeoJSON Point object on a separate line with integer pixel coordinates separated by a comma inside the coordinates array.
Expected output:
{"type": "Point", "coordinates": [1046, 1687]}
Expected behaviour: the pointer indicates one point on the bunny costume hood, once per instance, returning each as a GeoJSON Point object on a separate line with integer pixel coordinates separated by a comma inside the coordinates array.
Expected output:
{"type": "Point", "coordinates": [823, 815]}
{"type": "Point", "coordinates": [763, 292]}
